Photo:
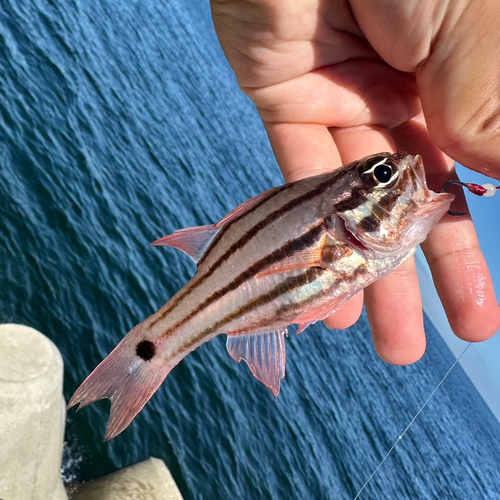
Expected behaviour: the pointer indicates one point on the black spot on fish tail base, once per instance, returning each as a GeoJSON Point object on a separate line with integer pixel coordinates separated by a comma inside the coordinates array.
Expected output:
{"type": "Point", "coordinates": [297, 244]}
{"type": "Point", "coordinates": [284, 287]}
{"type": "Point", "coordinates": [248, 236]}
{"type": "Point", "coordinates": [146, 350]}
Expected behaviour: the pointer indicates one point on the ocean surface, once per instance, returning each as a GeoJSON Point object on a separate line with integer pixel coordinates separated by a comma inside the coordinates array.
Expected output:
{"type": "Point", "coordinates": [121, 121]}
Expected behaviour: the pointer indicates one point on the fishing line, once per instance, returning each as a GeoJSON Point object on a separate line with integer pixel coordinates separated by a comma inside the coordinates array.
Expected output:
{"type": "Point", "coordinates": [410, 424]}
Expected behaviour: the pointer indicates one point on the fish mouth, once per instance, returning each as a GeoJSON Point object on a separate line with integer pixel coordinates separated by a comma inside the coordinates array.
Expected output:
{"type": "Point", "coordinates": [437, 205]}
{"type": "Point", "coordinates": [434, 204]}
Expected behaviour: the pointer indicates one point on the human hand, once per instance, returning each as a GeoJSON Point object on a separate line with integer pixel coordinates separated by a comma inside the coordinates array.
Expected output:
{"type": "Point", "coordinates": [335, 80]}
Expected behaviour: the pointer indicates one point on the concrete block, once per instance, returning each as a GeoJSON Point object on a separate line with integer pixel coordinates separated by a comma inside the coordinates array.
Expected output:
{"type": "Point", "coordinates": [148, 480]}
{"type": "Point", "coordinates": [32, 415]}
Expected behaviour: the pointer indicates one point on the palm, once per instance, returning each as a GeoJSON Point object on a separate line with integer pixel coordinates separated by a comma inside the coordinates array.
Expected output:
{"type": "Point", "coordinates": [327, 98]}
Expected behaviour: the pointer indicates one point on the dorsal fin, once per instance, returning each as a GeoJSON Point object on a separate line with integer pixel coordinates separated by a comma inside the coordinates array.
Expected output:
{"type": "Point", "coordinates": [244, 207]}
{"type": "Point", "coordinates": [193, 241]}
{"type": "Point", "coordinates": [264, 353]}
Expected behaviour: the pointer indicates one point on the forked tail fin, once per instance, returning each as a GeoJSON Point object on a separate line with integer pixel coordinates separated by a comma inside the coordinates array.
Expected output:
{"type": "Point", "coordinates": [129, 376]}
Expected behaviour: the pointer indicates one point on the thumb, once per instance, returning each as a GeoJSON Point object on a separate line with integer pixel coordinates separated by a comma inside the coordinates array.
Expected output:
{"type": "Point", "coordinates": [459, 85]}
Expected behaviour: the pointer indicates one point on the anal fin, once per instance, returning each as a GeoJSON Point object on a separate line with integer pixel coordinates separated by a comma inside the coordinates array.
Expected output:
{"type": "Point", "coordinates": [264, 353]}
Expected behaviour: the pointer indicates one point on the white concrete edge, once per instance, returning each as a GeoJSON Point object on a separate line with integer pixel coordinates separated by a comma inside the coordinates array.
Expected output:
{"type": "Point", "coordinates": [475, 362]}
{"type": "Point", "coordinates": [149, 478]}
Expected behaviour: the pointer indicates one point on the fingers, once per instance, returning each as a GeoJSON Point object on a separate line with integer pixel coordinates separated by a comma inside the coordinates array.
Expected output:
{"type": "Point", "coordinates": [394, 310]}
{"type": "Point", "coordinates": [460, 88]}
{"type": "Point", "coordinates": [268, 42]}
{"type": "Point", "coordinates": [462, 279]}
{"type": "Point", "coordinates": [357, 92]}
{"type": "Point", "coordinates": [355, 142]}
{"type": "Point", "coordinates": [453, 48]}
{"type": "Point", "coordinates": [303, 150]}
{"type": "Point", "coordinates": [457, 264]}
{"type": "Point", "coordinates": [347, 315]}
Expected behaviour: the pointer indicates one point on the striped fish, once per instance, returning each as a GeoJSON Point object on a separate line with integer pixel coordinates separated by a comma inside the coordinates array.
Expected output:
{"type": "Point", "coordinates": [291, 255]}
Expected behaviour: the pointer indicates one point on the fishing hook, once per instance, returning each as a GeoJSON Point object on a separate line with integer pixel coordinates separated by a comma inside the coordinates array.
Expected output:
{"type": "Point", "coordinates": [484, 190]}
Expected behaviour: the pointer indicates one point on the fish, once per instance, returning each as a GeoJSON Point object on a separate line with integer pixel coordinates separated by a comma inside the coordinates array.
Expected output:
{"type": "Point", "coordinates": [291, 255]}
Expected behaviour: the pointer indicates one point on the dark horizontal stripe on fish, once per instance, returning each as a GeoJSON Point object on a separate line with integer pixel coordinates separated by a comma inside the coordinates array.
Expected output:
{"type": "Point", "coordinates": [171, 304]}
{"type": "Point", "coordinates": [297, 244]}
{"type": "Point", "coordinates": [287, 286]}
{"type": "Point", "coordinates": [380, 210]}
{"type": "Point", "coordinates": [361, 270]}
{"type": "Point", "coordinates": [248, 236]}
{"type": "Point", "coordinates": [273, 192]}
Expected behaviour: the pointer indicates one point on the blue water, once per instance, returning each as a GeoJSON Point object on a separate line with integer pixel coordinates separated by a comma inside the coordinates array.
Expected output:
{"type": "Point", "coordinates": [120, 121]}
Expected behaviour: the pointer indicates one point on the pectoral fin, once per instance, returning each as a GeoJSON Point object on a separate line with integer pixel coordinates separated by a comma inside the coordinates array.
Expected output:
{"type": "Point", "coordinates": [309, 317]}
{"type": "Point", "coordinates": [264, 353]}
{"type": "Point", "coordinates": [326, 255]}
{"type": "Point", "coordinates": [299, 260]}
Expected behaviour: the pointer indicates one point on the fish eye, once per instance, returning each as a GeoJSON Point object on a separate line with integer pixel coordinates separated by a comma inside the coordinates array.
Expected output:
{"type": "Point", "coordinates": [380, 173]}
{"type": "Point", "coordinates": [383, 173]}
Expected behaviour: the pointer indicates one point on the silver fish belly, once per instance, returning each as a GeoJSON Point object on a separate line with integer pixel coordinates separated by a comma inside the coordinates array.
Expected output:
{"type": "Point", "coordinates": [291, 255]}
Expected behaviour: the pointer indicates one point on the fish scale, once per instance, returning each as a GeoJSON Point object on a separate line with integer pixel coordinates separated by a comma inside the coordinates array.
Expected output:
{"type": "Point", "coordinates": [291, 255]}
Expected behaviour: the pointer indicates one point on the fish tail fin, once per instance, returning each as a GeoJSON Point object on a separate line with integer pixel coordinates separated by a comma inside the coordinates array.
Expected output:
{"type": "Point", "coordinates": [129, 376]}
